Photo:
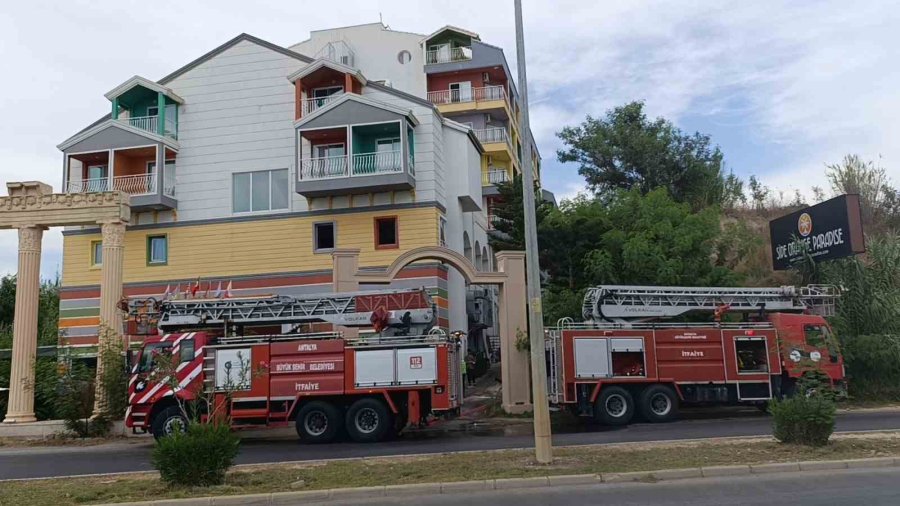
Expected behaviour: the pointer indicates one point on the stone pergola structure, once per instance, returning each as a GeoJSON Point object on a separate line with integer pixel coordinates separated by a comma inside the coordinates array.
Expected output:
{"type": "Point", "coordinates": [510, 278]}
{"type": "Point", "coordinates": [31, 208]}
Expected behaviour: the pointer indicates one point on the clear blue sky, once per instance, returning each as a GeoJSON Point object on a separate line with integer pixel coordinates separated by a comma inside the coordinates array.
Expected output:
{"type": "Point", "coordinates": [782, 86]}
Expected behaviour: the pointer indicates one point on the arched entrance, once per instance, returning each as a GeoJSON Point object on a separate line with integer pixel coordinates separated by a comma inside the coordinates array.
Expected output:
{"type": "Point", "coordinates": [510, 278]}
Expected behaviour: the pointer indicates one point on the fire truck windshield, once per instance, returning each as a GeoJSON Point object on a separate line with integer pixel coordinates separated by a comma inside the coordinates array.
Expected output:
{"type": "Point", "coordinates": [149, 353]}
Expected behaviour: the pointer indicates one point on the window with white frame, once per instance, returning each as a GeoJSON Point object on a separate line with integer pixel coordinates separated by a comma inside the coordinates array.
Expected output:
{"type": "Point", "coordinates": [442, 231]}
{"type": "Point", "coordinates": [262, 190]}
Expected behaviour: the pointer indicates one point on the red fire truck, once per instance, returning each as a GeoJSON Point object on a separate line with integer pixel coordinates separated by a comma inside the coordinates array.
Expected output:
{"type": "Point", "coordinates": [626, 359]}
{"type": "Point", "coordinates": [324, 384]}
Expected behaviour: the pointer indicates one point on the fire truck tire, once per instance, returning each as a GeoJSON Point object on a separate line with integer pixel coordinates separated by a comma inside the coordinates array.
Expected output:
{"type": "Point", "coordinates": [318, 422]}
{"type": "Point", "coordinates": [168, 421]}
{"type": "Point", "coordinates": [614, 406]}
{"type": "Point", "coordinates": [659, 403]}
{"type": "Point", "coordinates": [368, 420]}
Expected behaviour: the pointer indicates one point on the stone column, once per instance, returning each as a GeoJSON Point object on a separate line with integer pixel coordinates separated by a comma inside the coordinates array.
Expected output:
{"type": "Point", "coordinates": [24, 347]}
{"type": "Point", "coordinates": [345, 263]}
{"type": "Point", "coordinates": [113, 233]}
{"type": "Point", "coordinates": [513, 319]}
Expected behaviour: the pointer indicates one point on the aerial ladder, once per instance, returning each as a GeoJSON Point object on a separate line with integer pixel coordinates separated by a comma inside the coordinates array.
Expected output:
{"type": "Point", "coordinates": [632, 303]}
{"type": "Point", "coordinates": [390, 312]}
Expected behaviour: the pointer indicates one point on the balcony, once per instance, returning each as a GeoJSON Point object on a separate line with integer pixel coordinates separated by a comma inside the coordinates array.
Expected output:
{"type": "Point", "coordinates": [484, 94]}
{"type": "Point", "coordinates": [151, 124]}
{"type": "Point", "coordinates": [310, 105]}
{"type": "Point", "coordinates": [494, 135]}
{"type": "Point", "coordinates": [494, 177]}
{"type": "Point", "coordinates": [343, 160]}
{"type": "Point", "coordinates": [448, 55]}
{"type": "Point", "coordinates": [131, 170]}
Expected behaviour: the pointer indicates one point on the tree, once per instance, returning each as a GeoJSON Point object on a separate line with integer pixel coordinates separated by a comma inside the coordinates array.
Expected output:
{"type": "Point", "coordinates": [758, 193]}
{"type": "Point", "coordinates": [626, 150]}
{"type": "Point", "coordinates": [657, 241]}
{"type": "Point", "coordinates": [878, 198]}
{"type": "Point", "coordinates": [509, 216]}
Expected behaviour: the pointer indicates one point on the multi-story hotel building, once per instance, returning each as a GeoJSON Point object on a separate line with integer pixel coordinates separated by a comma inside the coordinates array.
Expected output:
{"type": "Point", "coordinates": [250, 164]}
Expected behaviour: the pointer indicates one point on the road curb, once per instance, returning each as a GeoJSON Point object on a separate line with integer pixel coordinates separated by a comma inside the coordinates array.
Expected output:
{"type": "Point", "coordinates": [455, 487]}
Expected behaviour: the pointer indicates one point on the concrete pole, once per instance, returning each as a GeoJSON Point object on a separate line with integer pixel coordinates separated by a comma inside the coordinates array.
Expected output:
{"type": "Point", "coordinates": [25, 320]}
{"type": "Point", "coordinates": [113, 233]}
{"type": "Point", "coordinates": [513, 318]}
{"type": "Point", "coordinates": [543, 446]}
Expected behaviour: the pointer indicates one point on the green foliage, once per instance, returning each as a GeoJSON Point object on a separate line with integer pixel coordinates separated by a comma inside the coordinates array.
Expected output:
{"type": "Point", "coordinates": [76, 403]}
{"type": "Point", "coordinates": [48, 311]}
{"type": "Point", "coordinates": [509, 216]}
{"type": "Point", "coordinates": [657, 241]}
{"type": "Point", "coordinates": [625, 150]}
{"type": "Point", "coordinates": [523, 342]}
{"type": "Point", "coordinates": [114, 377]}
{"type": "Point", "coordinates": [873, 366]}
{"type": "Point", "coordinates": [879, 200]}
{"type": "Point", "coordinates": [803, 420]}
{"type": "Point", "coordinates": [198, 457]}
{"type": "Point", "coordinates": [561, 302]}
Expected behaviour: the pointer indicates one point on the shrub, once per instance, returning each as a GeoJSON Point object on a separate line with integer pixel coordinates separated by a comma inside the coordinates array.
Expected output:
{"type": "Point", "coordinates": [803, 420]}
{"type": "Point", "coordinates": [114, 378]}
{"type": "Point", "coordinates": [873, 366]}
{"type": "Point", "coordinates": [76, 403]}
{"type": "Point", "coordinates": [198, 457]}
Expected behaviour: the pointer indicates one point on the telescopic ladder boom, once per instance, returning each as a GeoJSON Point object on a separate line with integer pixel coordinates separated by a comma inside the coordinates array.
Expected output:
{"type": "Point", "coordinates": [396, 311]}
{"type": "Point", "coordinates": [625, 302]}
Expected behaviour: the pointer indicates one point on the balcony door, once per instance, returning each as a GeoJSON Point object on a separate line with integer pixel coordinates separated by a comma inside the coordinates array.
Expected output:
{"type": "Point", "coordinates": [461, 92]}
{"type": "Point", "coordinates": [97, 178]}
{"type": "Point", "coordinates": [329, 160]}
{"type": "Point", "coordinates": [320, 95]}
{"type": "Point", "coordinates": [440, 53]}
{"type": "Point", "coordinates": [387, 156]}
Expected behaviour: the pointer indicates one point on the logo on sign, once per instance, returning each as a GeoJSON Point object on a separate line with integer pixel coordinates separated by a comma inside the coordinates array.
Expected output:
{"type": "Point", "coordinates": [804, 224]}
{"type": "Point", "coordinates": [691, 353]}
{"type": "Point", "coordinates": [415, 362]}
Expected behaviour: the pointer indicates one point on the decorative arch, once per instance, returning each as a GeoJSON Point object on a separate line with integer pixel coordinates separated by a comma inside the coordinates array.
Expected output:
{"type": "Point", "coordinates": [441, 254]}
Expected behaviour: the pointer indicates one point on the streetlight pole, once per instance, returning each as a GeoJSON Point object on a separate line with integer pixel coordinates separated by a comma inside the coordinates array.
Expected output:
{"type": "Point", "coordinates": [543, 446]}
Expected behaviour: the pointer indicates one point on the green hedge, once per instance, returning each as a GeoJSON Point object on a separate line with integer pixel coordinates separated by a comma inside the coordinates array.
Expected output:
{"type": "Point", "coordinates": [873, 366]}
{"type": "Point", "coordinates": [199, 457]}
{"type": "Point", "coordinates": [803, 420]}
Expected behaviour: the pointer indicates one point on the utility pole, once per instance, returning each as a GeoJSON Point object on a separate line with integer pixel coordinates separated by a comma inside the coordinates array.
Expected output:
{"type": "Point", "coordinates": [543, 446]}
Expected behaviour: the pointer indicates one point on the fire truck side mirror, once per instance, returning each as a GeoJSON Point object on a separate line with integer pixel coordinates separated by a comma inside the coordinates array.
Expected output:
{"type": "Point", "coordinates": [129, 358]}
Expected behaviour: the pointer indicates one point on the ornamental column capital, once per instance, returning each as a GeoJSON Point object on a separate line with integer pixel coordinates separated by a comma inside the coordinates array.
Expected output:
{"type": "Point", "coordinates": [30, 237]}
{"type": "Point", "coordinates": [113, 233]}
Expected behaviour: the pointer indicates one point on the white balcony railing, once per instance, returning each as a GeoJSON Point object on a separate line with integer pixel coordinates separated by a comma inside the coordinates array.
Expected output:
{"type": "Point", "coordinates": [148, 123]}
{"type": "Point", "coordinates": [142, 184]}
{"type": "Point", "coordinates": [386, 162]}
{"type": "Point", "coordinates": [309, 105]}
{"type": "Point", "coordinates": [448, 54]}
{"type": "Point", "coordinates": [484, 94]}
{"type": "Point", "coordinates": [363, 164]}
{"type": "Point", "coordinates": [151, 124]}
{"type": "Point", "coordinates": [493, 135]}
{"type": "Point", "coordinates": [494, 176]}
{"type": "Point", "coordinates": [325, 167]}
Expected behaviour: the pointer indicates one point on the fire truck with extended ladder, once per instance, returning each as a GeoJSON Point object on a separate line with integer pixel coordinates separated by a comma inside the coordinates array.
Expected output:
{"type": "Point", "coordinates": [322, 382]}
{"type": "Point", "coordinates": [626, 359]}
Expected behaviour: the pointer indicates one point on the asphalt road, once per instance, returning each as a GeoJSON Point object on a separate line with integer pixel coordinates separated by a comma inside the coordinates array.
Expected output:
{"type": "Point", "coordinates": [872, 487]}
{"type": "Point", "coordinates": [282, 446]}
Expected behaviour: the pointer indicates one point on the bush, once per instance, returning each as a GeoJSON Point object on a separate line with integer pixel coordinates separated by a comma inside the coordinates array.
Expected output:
{"type": "Point", "coordinates": [803, 420]}
{"type": "Point", "coordinates": [198, 457]}
{"type": "Point", "coordinates": [873, 366]}
{"type": "Point", "coordinates": [76, 403]}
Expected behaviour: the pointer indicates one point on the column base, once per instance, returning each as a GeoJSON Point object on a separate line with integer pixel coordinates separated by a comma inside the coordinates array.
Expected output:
{"type": "Point", "coordinates": [23, 418]}
{"type": "Point", "coordinates": [518, 409]}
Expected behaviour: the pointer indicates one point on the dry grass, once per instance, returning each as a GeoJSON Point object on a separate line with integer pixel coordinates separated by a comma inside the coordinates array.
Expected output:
{"type": "Point", "coordinates": [450, 467]}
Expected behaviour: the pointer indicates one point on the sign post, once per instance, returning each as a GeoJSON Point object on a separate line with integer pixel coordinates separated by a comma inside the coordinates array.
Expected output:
{"type": "Point", "coordinates": [829, 230]}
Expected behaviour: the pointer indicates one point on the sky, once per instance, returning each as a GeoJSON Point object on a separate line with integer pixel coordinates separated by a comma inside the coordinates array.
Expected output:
{"type": "Point", "coordinates": [783, 87]}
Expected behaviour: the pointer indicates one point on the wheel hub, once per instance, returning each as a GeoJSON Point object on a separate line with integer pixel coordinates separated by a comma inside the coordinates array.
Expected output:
{"type": "Point", "coordinates": [616, 405]}
{"type": "Point", "coordinates": [366, 420]}
{"type": "Point", "coordinates": [316, 423]}
{"type": "Point", "coordinates": [660, 404]}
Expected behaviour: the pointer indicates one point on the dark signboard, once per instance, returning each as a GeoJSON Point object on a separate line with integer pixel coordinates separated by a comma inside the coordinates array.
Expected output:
{"type": "Point", "coordinates": [832, 229]}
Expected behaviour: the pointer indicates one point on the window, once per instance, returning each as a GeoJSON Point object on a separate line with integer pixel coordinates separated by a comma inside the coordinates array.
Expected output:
{"type": "Point", "coordinates": [404, 57]}
{"type": "Point", "coordinates": [327, 91]}
{"type": "Point", "coordinates": [323, 236]}
{"type": "Point", "coordinates": [264, 190]}
{"type": "Point", "coordinates": [96, 253]}
{"type": "Point", "coordinates": [442, 231]}
{"type": "Point", "coordinates": [386, 235]}
{"type": "Point", "coordinates": [153, 110]}
{"type": "Point", "coordinates": [461, 92]}
{"type": "Point", "coordinates": [328, 150]}
{"type": "Point", "coordinates": [157, 250]}
{"type": "Point", "coordinates": [187, 350]}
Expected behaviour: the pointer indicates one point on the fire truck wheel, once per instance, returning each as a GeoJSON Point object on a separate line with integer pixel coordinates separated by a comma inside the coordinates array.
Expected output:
{"type": "Point", "coordinates": [318, 422]}
{"type": "Point", "coordinates": [368, 420]}
{"type": "Point", "coordinates": [168, 422]}
{"type": "Point", "coordinates": [659, 403]}
{"type": "Point", "coordinates": [614, 406]}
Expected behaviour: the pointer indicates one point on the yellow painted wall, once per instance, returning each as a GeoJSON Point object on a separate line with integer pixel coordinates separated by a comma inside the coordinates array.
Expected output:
{"type": "Point", "coordinates": [251, 247]}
